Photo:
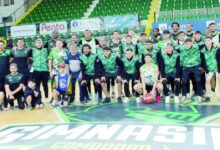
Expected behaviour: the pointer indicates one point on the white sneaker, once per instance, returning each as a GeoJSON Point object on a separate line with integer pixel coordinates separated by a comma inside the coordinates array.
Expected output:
{"type": "Point", "coordinates": [126, 100]}
{"type": "Point", "coordinates": [167, 99]}
{"type": "Point", "coordinates": [199, 99]}
{"type": "Point", "coordinates": [138, 100]}
{"type": "Point", "coordinates": [183, 99]}
{"type": "Point", "coordinates": [176, 99]}
{"type": "Point", "coordinates": [189, 96]}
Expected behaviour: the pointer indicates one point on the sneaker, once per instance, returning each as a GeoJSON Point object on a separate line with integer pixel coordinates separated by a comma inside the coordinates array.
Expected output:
{"type": "Point", "coordinates": [105, 100]}
{"type": "Point", "coordinates": [167, 99]}
{"type": "Point", "coordinates": [199, 99]}
{"type": "Point", "coordinates": [183, 99]}
{"type": "Point", "coordinates": [30, 108]}
{"type": "Point", "coordinates": [11, 108]}
{"type": "Point", "coordinates": [189, 96]}
{"type": "Point", "coordinates": [82, 102]}
{"type": "Point", "coordinates": [207, 99]}
{"type": "Point", "coordinates": [1, 109]}
{"type": "Point", "coordinates": [113, 94]}
{"type": "Point", "coordinates": [108, 100]}
{"type": "Point", "coordinates": [126, 100]}
{"type": "Point", "coordinates": [176, 99]}
{"type": "Point", "coordinates": [119, 100]}
{"type": "Point", "coordinates": [138, 100]}
{"type": "Point", "coordinates": [158, 99]}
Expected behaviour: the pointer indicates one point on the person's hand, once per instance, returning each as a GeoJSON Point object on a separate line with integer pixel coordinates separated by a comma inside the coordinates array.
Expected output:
{"type": "Point", "coordinates": [14, 48]}
{"type": "Point", "coordinates": [125, 81]}
{"type": "Point", "coordinates": [51, 74]}
{"type": "Point", "coordinates": [83, 82]}
{"type": "Point", "coordinates": [153, 92]}
{"type": "Point", "coordinates": [118, 78]}
{"type": "Point", "coordinates": [163, 79]}
{"type": "Point", "coordinates": [144, 93]}
{"type": "Point", "coordinates": [177, 79]}
{"type": "Point", "coordinates": [36, 93]}
{"type": "Point", "coordinates": [97, 81]}
{"type": "Point", "coordinates": [103, 79]}
{"type": "Point", "coordinates": [136, 81]}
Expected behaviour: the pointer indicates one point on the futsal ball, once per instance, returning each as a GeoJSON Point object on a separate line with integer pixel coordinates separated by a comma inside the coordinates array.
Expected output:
{"type": "Point", "coordinates": [148, 99]}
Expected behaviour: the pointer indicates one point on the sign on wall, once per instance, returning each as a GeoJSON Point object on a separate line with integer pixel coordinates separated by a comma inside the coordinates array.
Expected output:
{"type": "Point", "coordinates": [20, 31]}
{"type": "Point", "coordinates": [48, 28]}
{"type": "Point", "coordinates": [81, 25]}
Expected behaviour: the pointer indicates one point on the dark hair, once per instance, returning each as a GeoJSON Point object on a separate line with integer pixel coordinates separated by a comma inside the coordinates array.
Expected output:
{"type": "Point", "coordinates": [86, 45]}
{"type": "Point", "coordinates": [107, 48]}
{"type": "Point", "coordinates": [181, 32]}
{"type": "Point", "coordinates": [176, 24]}
{"type": "Point", "coordinates": [156, 29]}
{"type": "Point", "coordinates": [128, 36]}
{"type": "Point", "coordinates": [32, 80]}
{"type": "Point", "coordinates": [198, 32]}
{"type": "Point", "coordinates": [59, 40]}
{"type": "Point", "coordinates": [143, 34]}
{"type": "Point", "coordinates": [208, 37]}
{"type": "Point", "coordinates": [148, 54]}
{"type": "Point", "coordinates": [212, 23]}
{"type": "Point", "coordinates": [116, 31]}
{"type": "Point", "coordinates": [166, 32]}
{"type": "Point", "coordinates": [188, 40]}
{"type": "Point", "coordinates": [190, 24]}
{"type": "Point", "coordinates": [20, 39]}
{"type": "Point", "coordinates": [129, 49]}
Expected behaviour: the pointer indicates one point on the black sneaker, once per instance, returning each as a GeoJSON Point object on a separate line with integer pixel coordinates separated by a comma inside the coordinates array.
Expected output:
{"type": "Point", "coordinates": [207, 99]}
{"type": "Point", "coordinates": [108, 100]}
{"type": "Point", "coordinates": [105, 100]}
{"type": "Point", "coordinates": [119, 100]}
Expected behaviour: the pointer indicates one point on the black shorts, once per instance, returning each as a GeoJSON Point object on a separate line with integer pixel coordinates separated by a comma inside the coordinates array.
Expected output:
{"type": "Point", "coordinates": [63, 97]}
{"type": "Point", "coordinates": [148, 88]}
{"type": "Point", "coordinates": [110, 76]}
{"type": "Point", "coordinates": [35, 100]}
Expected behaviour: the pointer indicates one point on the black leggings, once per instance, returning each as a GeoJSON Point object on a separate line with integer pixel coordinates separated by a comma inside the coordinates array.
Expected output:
{"type": "Point", "coordinates": [129, 77]}
{"type": "Point", "coordinates": [42, 77]}
{"type": "Point", "coordinates": [172, 81]}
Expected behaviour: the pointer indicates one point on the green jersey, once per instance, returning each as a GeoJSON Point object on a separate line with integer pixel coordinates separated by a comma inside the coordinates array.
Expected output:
{"type": "Point", "coordinates": [57, 57]}
{"type": "Point", "coordinates": [109, 63]}
{"type": "Point", "coordinates": [210, 58]}
{"type": "Point", "coordinates": [40, 59]}
{"type": "Point", "coordinates": [170, 62]}
{"type": "Point", "coordinates": [89, 63]}
{"type": "Point", "coordinates": [129, 46]}
{"type": "Point", "coordinates": [149, 75]}
{"type": "Point", "coordinates": [162, 44]}
{"type": "Point", "coordinates": [130, 65]}
{"type": "Point", "coordinates": [190, 57]}
{"type": "Point", "coordinates": [153, 52]}
{"type": "Point", "coordinates": [116, 48]}
{"type": "Point", "coordinates": [14, 81]}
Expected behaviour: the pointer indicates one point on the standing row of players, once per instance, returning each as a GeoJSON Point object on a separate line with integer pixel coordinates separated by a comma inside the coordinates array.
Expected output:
{"type": "Point", "coordinates": [150, 65]}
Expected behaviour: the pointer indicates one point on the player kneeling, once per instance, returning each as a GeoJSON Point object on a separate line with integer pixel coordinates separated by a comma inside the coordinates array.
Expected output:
{"type": "Point", "coordinates": [32, 96]}
{"type": "Point", "coordinates": [62, 87]}
{"type": "Point", "coordinates": [149, 73]}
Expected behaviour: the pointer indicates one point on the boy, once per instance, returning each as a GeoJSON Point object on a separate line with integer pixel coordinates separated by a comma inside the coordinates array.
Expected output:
{"type": "Point", "coordinates": [128, 44]}
{"type": "Point", "coordinates": [62, 87]}
{"type": "Point", "coordinates": [14, 83]}
{"type": "Point", "coordinates": [32, 96]}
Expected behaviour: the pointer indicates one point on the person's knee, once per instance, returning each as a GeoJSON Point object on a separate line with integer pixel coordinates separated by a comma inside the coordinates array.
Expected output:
{"type": "Point", "coordinates": [159, 87]}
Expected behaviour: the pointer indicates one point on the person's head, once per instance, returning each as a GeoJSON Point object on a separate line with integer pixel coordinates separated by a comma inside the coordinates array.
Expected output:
{"type": "Point", "coordinates": [148, 58]}
{"type": "Point", "coordinates": [166, 34]}
{"type": "Point", "coordinates": [102, 41]}
{"type": "Point", "coordinates": [143, 37]}
{"type": "Point", "coordinates": [87, 34]}
{"type": "Point", "coordinates": [59, 43]}
{"type": "Point", "coordinates": [129, 53]}
{"type": "Point", "coordinates": [2, 45]}
{"type": "Point", "coordinates": [116, 34]}
{"type": "Point", "coordinates": [86, 49]}
{"type": "Point", "coordinates": [131, 32]}
{"type": "Point", "coordinates": [55, 34]}
{"type": "Point", "coordinates": [20, 43]}
{"type": "Point", "coordinates": [106, 51]}
{"type": "Point", "coordinates": [149, 44]}
{"type": "Point", "coordinates": [128, 39]}
{"type": "Point", "coordinates": [188, 43]}
{"type": "Point", "coordinates": [61, 68]}
{"type": "Point", "coordinates": [72, 48]}
{"type": "Point", "coordinates": [208, 41]}
{"type": "Point", "coordinates": [31, 84]}
{"type": "Point", "coordinates": [13, 68]}
{"type": "Point", "coordinates": [175, 26]}
{"type": "Point", "coordinates": [156, 31]}
{"type": "Point", "coordinates": [169, 48]}
{"type": "Point", "coordinates": [189, 27]}
{"type": "Point", "coordinates": [212, 27]}
{"type": "Point", "coordinates": [74, 39]}
{"type": "Point", "coordinates": [198, 35]}
{"type": "Point", "coordinates": [38, 43]}
{"type": "Point", "coordinates": [181, 36]}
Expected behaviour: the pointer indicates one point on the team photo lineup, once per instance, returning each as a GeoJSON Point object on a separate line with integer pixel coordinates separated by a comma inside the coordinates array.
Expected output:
{"type": "Point", "coordinates": [164, 67]}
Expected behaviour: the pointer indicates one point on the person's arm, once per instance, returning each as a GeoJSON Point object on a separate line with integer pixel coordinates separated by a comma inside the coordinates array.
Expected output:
{"type": "Point", "coordinates": [97, 68]}
{"type": "Point", "coordinates": [203, 63]}
{"type": "Point", "coordinates": [177, 67]}
{"type": "Point", "coordinates": [155, 80]}
{"type": "Point", "coordinates": [143, 82]}
{"type": "Point", "coordinates": [161, 64]}
{"type": "Point", "coordinates": [50, 62]}
{"type": "Point", "coordinates": [137, 74]}
{"type": "Point", "coordinates": [119, 64]}
{"type": "Point", "coordinates": [18, 89]}
{"type": "Point", "coordinates": [82, 66]}
{"type": "Point", "coordinates": [67, 68]}
{"type": "Point", "coordinates": [218, 58]}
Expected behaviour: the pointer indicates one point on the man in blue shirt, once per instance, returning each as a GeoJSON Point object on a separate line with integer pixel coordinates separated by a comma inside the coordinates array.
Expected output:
{"type": "Point", "coordinates": [73, 67]}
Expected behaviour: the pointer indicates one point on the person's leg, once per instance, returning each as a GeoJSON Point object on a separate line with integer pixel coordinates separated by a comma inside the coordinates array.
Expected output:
{"type": "Point", "coordinates": [119, 86]}
{"type": "Point", "coordinates": [28, 100]}
{"type": "Point", "coordinates": [72, 96]}
{"type": "Point", "coordinates": [197, 76]}
{"type": "Point", "coordinates": [104, 81]}
{"type": "Point", "coordinates": [55, 95]}
{"type": "Point", "coordinates": [44, 80]}
{"type": "Point", "coordinates": [37, 78]}
{"type": "Point", "coordinates": [185, 81]}
{"type": "Point", "coordinates": [99, 90]}
{"type": "Point", "coordinates": [138, 88]}
{"type": "Point", "coordinates": [112, 87]}
{"type": "Point", "coordinates": [2, 97]}
{"type": "Point", "coordinates": [208, 86]}
{"type": "Point", "coordinates": [213, 82]}
{"type": "Point", "coordinates": [20, 100]}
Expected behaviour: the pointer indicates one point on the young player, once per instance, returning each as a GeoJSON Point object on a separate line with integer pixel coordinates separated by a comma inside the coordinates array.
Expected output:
{"type": "Point", "coordinates": [191, 62]}
{"type": "Point", "coordinates": [166, 39]}
{"type": "Point", "coordinates": [141, 46]}
{"type": "Point", "coordinates": [189, 30]}
{"type": "Point", "coordinates": [72, 62]}
{"type": "Point", "coordinates": [32, 96]}
{"type": "Point", "coordinates": [115, 44]}
{"type": "Point", "coordinates": [156, 36]}
{"type": "Point", "coordinates": [20, 56]}
{"type": "Point", "coordinates": [14, 83]}
{"type": "Point", "coordinates": [214, 34]}
{"type": "Point", "coordinates": [211, 56]}
{"type": "Point", "coordinates": [130, 69]}
{"type": "Point", "coordinates": [89, 69]}
{"type": "Point", "coordinates": [129, 45]}
{"type": "Point", "coordinates": [110, 66]}
{"type": "Point", "coordinates": [149, 73]}
{"type": "Point", "coordinates": [40, 65]}
{"type": "Point", "coordinates": [62, 87]}
{"type": "Point", "coordinates": [175, 27]}
{"type": "Point", "coordinates": [171, 72]}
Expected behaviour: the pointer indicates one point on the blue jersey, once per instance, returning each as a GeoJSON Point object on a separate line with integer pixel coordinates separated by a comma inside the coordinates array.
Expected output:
{"type": "Point", "coordinates": [74, 64]}
{"type": "Point", "coordinates": [62, 83]}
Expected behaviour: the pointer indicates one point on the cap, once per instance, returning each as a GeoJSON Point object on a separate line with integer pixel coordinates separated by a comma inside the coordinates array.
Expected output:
{"type": "Point", "coordinates": [62, 65]}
